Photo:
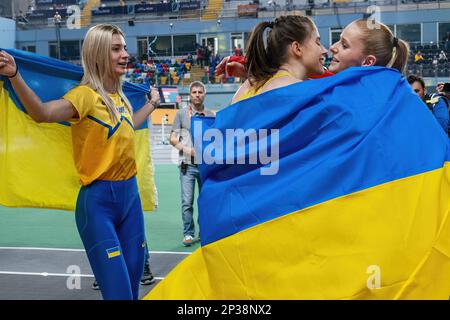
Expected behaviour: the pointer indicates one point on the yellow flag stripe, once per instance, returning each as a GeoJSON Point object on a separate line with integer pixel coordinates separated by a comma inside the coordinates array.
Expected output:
{"type": "Point", "coordinates": [391, 241]}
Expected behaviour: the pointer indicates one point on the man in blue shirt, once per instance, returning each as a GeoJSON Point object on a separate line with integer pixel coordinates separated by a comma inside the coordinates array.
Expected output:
{"type": "Point", "coordinates": [436, 103]}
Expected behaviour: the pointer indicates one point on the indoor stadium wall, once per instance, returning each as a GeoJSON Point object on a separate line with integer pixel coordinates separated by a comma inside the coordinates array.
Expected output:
{"type": "Point", "coordinates": [428, 19]}
{"type": "Point", "coordinates": [7, 33]}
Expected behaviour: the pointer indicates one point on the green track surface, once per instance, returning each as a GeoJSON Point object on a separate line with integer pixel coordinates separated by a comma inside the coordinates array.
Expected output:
{"type": "Point", "coordinates": [25, 227]}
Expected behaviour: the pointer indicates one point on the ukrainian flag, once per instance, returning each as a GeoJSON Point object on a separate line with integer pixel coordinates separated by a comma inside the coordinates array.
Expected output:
{"type": "Point", "coordinates": [113, 252]}
{"type": "Point", "coordinates": [359, 207]}
{"type": "Point", "coordinates": [36, 161]}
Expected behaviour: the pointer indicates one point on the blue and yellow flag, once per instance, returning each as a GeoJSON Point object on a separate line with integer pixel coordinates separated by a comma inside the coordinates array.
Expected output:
{"type": "Point", "coordinates": [349, 197]}
{"type": "Point", "coordinates": [36, 162]}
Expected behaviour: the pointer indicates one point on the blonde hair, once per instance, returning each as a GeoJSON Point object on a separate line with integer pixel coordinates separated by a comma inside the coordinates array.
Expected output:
{"type": "Point", "coordinates": [380, 41]}
{"type": "Point", "coordinates": [96, 61]}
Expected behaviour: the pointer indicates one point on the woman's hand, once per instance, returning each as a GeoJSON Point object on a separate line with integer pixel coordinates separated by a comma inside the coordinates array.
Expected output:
{"type": "Point", "coordinates": [220, 68]}
{"type": "Point", "coordinates": [233, 68]}
{"type": "Point", "coordinates": [8, 66]}
{"type": "Point", "coordinates": [142, 114]}
{"type": "Point", "coordinates": [154, 97]}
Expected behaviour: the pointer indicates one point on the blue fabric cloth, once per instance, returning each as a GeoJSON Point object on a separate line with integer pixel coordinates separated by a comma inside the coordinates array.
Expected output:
{"type": "Point", "coordinates": [334, 136]}
{"type": "Point", "coordinates": [42, 73]}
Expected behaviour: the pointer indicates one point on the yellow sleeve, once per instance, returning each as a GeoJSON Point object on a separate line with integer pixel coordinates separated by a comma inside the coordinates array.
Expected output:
{"type": "Point", "coordinates": [83, 99]}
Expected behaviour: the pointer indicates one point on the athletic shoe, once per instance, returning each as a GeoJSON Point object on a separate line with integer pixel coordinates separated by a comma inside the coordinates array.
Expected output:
{"type": "Point", "coordinates": [95, 285]}
{"type": "Point", "coordinates": [147, 277]}
{"type": "Point", "coordinates": [187, 241]}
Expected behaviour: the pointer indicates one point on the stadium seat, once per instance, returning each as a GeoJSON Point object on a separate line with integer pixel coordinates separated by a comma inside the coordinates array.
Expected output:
{"type": "Point", "coordinates": [443, 73]}
{"type": "Point", "coordinates": [428, 72]}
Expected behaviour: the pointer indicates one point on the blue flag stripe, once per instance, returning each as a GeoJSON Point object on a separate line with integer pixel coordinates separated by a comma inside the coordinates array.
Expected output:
{"type": "Point", "coordinates": [338, 135]}
{"type": "Point", "coordinates": [50, 79]}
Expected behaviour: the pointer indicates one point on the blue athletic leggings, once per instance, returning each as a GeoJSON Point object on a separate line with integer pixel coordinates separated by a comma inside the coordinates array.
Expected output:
{"type": "Point", "coordinates": [111, 225]}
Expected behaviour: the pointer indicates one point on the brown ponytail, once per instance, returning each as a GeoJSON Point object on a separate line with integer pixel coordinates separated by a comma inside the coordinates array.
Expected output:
{"type": "Point", "coordinates": [259, 65]}
{"type": "Point", "coordinates": [263, 60]}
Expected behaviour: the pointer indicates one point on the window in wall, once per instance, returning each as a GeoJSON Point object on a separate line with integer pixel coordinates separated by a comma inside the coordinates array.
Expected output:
{"type": "Point", "coordinates": [70, 50]}
{"type": "Point", "coordinates": [237, 40]}
{"type": "Point", "coordinates": [211, 40]}
{"type": "Point", "coordinates": [444, 31]}
{"type": "Point", "coordinates": [29, 48]}
{"type": "Point", "coordinates": [142, 46]}
{"type": "Point", "coordinates": [52, 49]}
{"type": "Point", "coordinates": [161, 46]}
{"type": "Point", "coordinates": [246, 38]}
{"type": "Point", "coordinates": [411, 33]}
{"type": "Point", "coordinates": [184, 44]}
{"type": "Point", "coordinates": [335, 35]}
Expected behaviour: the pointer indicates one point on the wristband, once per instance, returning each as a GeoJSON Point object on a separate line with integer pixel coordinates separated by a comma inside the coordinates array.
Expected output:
{"type": "Point", "coordinates": [15, 74]}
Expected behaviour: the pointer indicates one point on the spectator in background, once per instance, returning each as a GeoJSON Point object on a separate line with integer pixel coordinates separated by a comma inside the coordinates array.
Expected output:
{"type": "Point", "coordinates": [418, 58]}
{"type": "Point", "coordinates": [181, 139]}
{"type": "Point", "coordinates": [200, 56]}
{"type": "Point", "coordinates": [435, 103]}
{"type": "Point", "coordinates": [435, 61]}
{"type": "Point", "coordinates": [189, 58]}
{"type": "Point", "coordinates": [442, 57]}
{"type": "Point", "coordinates": [238, 51]}
{"type": "Point", "coordinates": [212, 68]}
{"type": "Point", "coordinates": [208, 52]}
{"type": "Point", "coordinates": [447, 41]}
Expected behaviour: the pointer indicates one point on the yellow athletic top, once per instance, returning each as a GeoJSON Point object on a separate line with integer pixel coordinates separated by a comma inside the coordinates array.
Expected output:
{"type": "Point", "coordinates": [102, 150]}
{"type": "Point", "coordinates": [251, 92]}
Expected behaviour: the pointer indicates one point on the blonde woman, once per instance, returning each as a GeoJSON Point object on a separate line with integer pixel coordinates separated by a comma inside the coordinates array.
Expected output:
{"type": "Point", "coordinates": [108, 212]}
{"type": "Point", "coordinates": [362, 45]}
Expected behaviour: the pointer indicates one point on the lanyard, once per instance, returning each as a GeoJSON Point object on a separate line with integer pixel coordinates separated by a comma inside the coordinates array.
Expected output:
{"type": "Point", "coordinates": [190, 112]}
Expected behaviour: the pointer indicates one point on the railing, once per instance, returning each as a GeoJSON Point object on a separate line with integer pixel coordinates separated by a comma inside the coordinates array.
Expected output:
{"type": "Point", "coordinates": [164, 79]}
{"type": "Point", "coordinates": [262, 11]}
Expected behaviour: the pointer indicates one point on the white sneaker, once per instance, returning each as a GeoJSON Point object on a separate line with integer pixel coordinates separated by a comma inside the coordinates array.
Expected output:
{"type": "Point", "coordinates": [187, 240]}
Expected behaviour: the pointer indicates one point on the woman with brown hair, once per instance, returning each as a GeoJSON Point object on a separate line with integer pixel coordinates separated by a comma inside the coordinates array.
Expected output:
{"type": "Point", "coordinates": [293, 53]}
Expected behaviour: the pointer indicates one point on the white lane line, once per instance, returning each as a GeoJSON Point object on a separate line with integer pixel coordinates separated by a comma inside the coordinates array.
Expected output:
{"type": "Point", "coordinates": [49, 274]}
{"type": "Point", "coordinates": [82, 250]}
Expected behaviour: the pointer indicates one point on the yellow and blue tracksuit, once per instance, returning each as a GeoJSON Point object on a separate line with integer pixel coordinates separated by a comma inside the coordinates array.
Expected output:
{"type": "Point", "coordinates": [108, 213]}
